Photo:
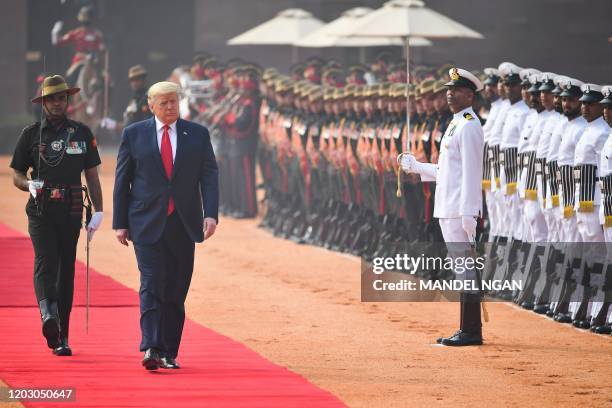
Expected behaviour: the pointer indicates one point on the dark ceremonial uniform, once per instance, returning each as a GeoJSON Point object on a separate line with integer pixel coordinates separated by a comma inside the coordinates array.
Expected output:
{"type": "Point", "coordinates": [54, 217]}
{"type": "Point", "coordinates": [241, 127]}
{"type": "Point", "coordinates": [137, 109]}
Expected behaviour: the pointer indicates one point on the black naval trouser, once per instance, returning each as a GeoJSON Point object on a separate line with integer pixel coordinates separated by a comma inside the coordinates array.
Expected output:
{"type": "Point", "coordinates": [54, 236]}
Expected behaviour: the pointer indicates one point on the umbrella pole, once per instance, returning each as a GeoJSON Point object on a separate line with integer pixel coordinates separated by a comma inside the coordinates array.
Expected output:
{"type": "Point", "coordinates": [294, 55]}
{"type": "Point", "coordinates": [362, 55]}
{"type": "Point", "coordinates": [407, 39]}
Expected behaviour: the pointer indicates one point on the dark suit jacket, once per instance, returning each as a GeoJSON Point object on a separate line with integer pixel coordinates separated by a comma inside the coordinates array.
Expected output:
{"type": "Point", "coordinates": [142, 190]}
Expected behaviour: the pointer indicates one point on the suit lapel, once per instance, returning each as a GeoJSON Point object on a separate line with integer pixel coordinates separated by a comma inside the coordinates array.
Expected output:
{"type": "Point", "coordinates": [181, 145]}
{"type": "Point", "coordinates": [152, 137]}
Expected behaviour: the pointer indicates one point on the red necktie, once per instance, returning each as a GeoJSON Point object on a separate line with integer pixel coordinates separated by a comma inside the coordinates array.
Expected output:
{"type": "Point", "coordinates": [166, 155]}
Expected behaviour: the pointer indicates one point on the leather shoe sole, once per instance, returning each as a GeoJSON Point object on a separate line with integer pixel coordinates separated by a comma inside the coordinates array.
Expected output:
{"type": "Point", "coordinates": [50, 330]}
{"type": "Point", "coordinates": [475, 342]}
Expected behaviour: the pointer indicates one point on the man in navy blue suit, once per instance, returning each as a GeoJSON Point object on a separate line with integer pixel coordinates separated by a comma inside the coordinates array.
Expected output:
{"type": "Point", "coordinates": [165, 200]}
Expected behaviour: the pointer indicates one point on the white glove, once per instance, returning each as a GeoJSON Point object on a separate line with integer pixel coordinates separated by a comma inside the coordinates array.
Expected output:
{"type": "Point", "coordinates": [94, 224]}
{"type": "Point", "coordinates": [410, 164]}
{"type": "Point", "coordinates": [55, 31]}
{"type": "Point", "coordinates": [406, 162]}
{"type": "Point", "coordinates": [469, 226]}
{"type": "Point", "coordinates": [108, 123]}
{"type": "Point", "coordinates": [34, 186]}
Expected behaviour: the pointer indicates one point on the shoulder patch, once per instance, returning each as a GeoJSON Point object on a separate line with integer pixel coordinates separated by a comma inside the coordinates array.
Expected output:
{"type": "Point", "coordinates": [468, 116]}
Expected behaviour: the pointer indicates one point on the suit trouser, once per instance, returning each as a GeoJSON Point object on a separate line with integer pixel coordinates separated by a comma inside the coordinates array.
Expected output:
{"type": "Point", "coordinates": [513, 216]}
{"type": "Point", "coordinates": [570, 230]}
{"type": "Point", "coordinates": [503, 229]}
{"type": "Point", "coordinates": [607, 234]}
{"type": "Point", "coordinates": [54, 237]}
{"type": "Point", "coordinates": [535, 220]}
{"type": "Point", "coordinates": [165, 275]}
{"type": "Point", "coordinates": [552, 224]}
{"type": "Point", "coordinates": [591, 232]}
{"type": "Point", "coordinates": [493, 214]}
{"type": "Point", "coordinates": [457, 243]}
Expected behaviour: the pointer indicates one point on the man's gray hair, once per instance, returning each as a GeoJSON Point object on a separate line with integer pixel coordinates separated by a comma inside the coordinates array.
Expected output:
{"type": "Point", "coordinates": [163, 88]}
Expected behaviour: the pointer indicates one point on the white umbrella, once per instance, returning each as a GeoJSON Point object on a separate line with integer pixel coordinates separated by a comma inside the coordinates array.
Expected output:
{"type": "Point", "coordinates": [286, 28]}
{"type": "Point", "coordinates": [405, 19]}
{"type": "Point", "coordinates": [327, 35]}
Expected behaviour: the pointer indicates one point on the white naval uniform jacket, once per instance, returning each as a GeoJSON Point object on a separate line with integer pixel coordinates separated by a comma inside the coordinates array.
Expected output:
{"type": "Point", "coordinates": [605, 169]}
{"type": "Point", "coordinates": [513, 125]}
{"type": "Point", "coordinates": [591, 142]}
{"type": "Point", "coordinates": [605, 160]}
{"type": "Point", "coordinates": [459, 174]}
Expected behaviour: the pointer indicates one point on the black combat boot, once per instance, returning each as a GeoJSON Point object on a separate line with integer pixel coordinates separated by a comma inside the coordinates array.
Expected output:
{"type": "Point", "coordinates": [50, 322]}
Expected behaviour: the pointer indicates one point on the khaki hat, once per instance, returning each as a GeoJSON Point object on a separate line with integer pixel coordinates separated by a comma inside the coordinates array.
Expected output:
{"type": "Point", "coordinates": [136, 71]}
{"type": "Point", "coordinates": [360, 91]}
{"type": "Point", "coordinates": [339, 93]}
{"type": "Point", "coordinates": [349, 90]}
{"type": "Point", "coordinates": [439, 86]}
{"type": "Point", "coordinates": [384, 89]}
{"type": "Point", "coordinates": [328, 93]}
{"type": "Point", "coordinates": [370, 90]}
{"type": "Point", "coordinates": [426, 86]}
{"type": "Point", "coordinates": [53, 85]}
{"type": "Point", "coordinates": [315, 93]}
{"type": "Point", "coordinates": [283, 84]}
{"type": "Point", "coordinates": [396, 90]}
{"type": "Point", "coordinates": [269, 73]}
{"type": "Point", "coordinates": [84, 15]}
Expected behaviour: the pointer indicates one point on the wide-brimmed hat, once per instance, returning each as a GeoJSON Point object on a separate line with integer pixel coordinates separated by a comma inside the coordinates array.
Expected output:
{"type": "Point", "coordinates": [53, 85]}
{"type": "Point", "coordinates": [85, 14]}
{"type": "Point", "coordinates": [136, 71]}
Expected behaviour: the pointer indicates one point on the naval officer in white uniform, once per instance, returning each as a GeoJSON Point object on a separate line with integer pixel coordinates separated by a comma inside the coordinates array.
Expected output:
{"type": "Point", "coordinates": [458, 191]}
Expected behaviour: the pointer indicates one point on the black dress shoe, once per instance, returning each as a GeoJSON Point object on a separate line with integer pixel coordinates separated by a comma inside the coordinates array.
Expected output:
{"type": "Point", "coordinates": [151, 360]}
{"type": "Point", "coordinates": [563, 318]}
{"type": "Point", "coordinates": [541, 309]}
{"type": "Point", "coordinates": [64, 349]}
{"type": "Point", "coordinates": [463, 339]}
{"type": "Point", "coordinates": [581, 324]}
{"type": "Point", "coordinates": [169, 363]}
{"type": "Point", "coordinates": [601, 329]}
{"type": "Point", "coordinates": [439, 339]}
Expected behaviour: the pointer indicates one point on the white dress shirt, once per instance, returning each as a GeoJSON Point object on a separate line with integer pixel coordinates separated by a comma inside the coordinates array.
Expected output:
{"type": "Point", "coordinates": [171, 132]}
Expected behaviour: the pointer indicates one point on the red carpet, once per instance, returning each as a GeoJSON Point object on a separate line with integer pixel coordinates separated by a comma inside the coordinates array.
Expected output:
{"type": "Point", "coordinates": [105, 370]}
